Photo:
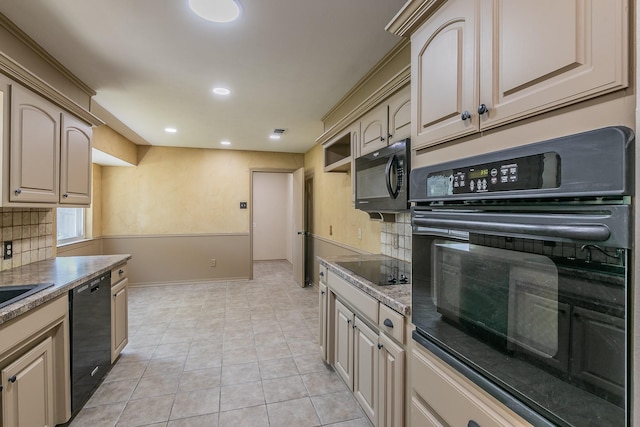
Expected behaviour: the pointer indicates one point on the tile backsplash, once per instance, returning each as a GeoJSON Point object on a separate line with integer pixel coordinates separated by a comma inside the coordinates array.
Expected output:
{"type": "Point", "coordinates": [396, 237]}
{"type": "Point", "coordinates": [31, 231]}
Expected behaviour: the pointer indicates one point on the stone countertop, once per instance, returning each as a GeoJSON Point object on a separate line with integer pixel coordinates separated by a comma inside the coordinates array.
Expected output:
{"type": "Point", "coordinates": [64, 272]}
{"type": "Point", "coordinates": [397, 297]}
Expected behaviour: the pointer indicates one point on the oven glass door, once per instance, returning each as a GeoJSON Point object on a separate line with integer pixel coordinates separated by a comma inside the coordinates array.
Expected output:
{"type": "Point", "coordinates": [544, 320]}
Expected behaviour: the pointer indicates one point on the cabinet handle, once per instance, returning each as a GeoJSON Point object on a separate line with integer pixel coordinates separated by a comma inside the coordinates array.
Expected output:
{"type": "Point", "coordinates": [382, 138]}
{"type": "Point", "coordinates": [121, 272]}
{"type": "Point", "coordinates": [18, 191]}
{"type": "Point", "coordinates": [322, 292]}
{"type": "Point", "coordinates": [465, 115]}
{"type": "Point", "coordinates": [65, 195]}
{"type": "Point", "coordinates": [13, 379]}
{"type": "Point", "coordinates": [388, 323]}
{"type": "Point", "coordinates": [380, 346]}
{"type": "Point", "coordinates": [389, 137]}
{"type": "Point", "coordinates": [321, 274]}
{"type": "Point", "coordinates": [482, 108]}
{"type": "Point", "coordinates": [472, 423]}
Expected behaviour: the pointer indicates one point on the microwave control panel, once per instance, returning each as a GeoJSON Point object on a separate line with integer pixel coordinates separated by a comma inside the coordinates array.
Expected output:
{"type": "Point", "coordinates": [523, 173]}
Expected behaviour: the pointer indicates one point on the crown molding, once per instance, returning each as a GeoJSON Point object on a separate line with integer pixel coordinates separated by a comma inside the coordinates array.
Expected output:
{"type": "Point", "coordinates": [21, 75]}
{"type": "Point", "coordinates": [401, 79]}
{"type": "Point", "coordinates": [389, 57]}
{"type": "Point", "coordinates": [412, 15]}
{"type": "Point", "coordinates": [32, 45]}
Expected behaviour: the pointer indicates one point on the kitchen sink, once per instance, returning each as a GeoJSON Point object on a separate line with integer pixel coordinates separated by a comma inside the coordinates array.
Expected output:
{"type": "Point", "coordinates": [11, 294]}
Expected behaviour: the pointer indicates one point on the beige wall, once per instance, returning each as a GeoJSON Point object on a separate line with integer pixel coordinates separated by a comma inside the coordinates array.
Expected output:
{"type": "Point", "coordinates": [184, 191]}
{"type": "Point", "coordinates": [333, 208]}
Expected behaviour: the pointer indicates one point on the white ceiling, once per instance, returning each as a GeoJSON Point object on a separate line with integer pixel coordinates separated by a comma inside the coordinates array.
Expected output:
{"type": "Point", "coordinates": [153, 63]}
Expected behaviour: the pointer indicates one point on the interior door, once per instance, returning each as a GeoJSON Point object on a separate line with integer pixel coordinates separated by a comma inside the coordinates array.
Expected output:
{"type": "Point", "coordinates": [298, 227]}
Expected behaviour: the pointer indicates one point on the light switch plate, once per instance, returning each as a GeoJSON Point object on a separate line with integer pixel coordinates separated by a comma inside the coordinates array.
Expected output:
{"type": "Point", "coordinates": [243, 205]}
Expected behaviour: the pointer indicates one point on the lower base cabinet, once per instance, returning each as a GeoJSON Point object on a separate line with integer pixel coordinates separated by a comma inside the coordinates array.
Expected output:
{"type": "Point", "coordinates": [364, 354]}
{"type": "Point", "coordinates": [27, 394]}
{"type": "Point", "coordinates": [34, 367]}
{"type": "Point", "coordinates": [442, 397]}
{"type": "Point", "coordinates": [391, 383]}
{"type": "Point", "coordinates": [119, 311]}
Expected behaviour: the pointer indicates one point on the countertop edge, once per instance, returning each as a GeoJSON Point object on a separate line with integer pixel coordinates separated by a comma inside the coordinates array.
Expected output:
{"type": "Point", "coordinates": [38, 273]}
{"type": "Point", "coordinates": [382, 295]}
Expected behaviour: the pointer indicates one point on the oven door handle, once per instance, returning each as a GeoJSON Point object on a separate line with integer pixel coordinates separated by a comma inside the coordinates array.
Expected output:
{"type": "Point", "coordinates": [587, 232]}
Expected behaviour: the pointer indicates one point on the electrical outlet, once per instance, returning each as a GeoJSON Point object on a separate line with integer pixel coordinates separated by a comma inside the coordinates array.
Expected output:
{"type": "Point", "coordinates": [359, 233]}
{"type": "Point", "coordinates": [7, 253]}
{"type": "Point", "coordinates": [213, 262]}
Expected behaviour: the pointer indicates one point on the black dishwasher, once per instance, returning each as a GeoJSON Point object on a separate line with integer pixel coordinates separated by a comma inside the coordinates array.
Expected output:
{"type": "Point", "coordinates": [90, 312]}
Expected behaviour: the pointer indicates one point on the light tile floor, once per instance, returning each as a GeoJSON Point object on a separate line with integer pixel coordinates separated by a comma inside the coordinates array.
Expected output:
{"type": "Point", "coordinates": [240, 353]}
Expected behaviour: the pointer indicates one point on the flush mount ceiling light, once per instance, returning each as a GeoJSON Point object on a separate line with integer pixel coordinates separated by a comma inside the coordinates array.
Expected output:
{"type": "Point", "coordinates": [274, 136]}
{"type": "Point", "coordinates": [225, 142]}
{"type": "Point", "coordinates": [216, 10]}
{"type": "Point", "coordinates": [221, 91]}
{"type": "Point", "coordinates": [170, 130]}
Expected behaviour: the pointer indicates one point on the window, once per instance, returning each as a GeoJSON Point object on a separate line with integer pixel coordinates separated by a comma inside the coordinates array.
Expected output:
{"type": "Point", "coordinates": [70, 225]}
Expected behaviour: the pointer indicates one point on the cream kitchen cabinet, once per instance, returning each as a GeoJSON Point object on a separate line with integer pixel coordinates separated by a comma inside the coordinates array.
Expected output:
{"type": "Point", "coordinates": [388, 122]}
{"type": "Point", "coordinates": [27, 388]}
{"type": "Point", "coordinates": [323, 309]}
{"type": "Point", "coordinates": [46, 154]}
{"type": "Point", "coordinates": [476, 65]}
{"type": "Point", "coordinates": [368, 350]}
{"type": "Point", "coordinates": [75, 162]}
{"type": "Point", "coordinates": [443, 397]}
{"type": "Point", "coordinates": [34, 366]}
{"type": "Point", "coordinates": [119, 311]}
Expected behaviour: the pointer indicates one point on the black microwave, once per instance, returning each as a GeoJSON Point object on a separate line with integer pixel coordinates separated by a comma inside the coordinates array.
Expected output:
{"type": "Point", "coordinates": [382, 179]}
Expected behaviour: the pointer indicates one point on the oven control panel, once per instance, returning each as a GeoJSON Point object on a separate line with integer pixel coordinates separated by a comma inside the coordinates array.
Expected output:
{"type": "Point", "coordinates": [523, 173]}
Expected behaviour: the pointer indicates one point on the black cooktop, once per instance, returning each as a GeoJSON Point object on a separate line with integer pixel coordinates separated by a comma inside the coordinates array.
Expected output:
{"type": "Point", "coordinates": [383, 272]}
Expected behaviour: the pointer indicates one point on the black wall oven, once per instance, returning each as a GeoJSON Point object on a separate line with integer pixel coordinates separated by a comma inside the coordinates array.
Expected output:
{"type": "Point", "coordinates": [521, 274]}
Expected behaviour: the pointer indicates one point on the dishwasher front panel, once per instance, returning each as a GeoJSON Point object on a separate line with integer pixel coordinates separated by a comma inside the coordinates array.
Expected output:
{"type": "Point", "coordinates": [90, 310]}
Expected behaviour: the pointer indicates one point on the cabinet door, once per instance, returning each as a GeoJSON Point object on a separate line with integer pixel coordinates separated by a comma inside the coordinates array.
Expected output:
{"type": "Point", "coordinates": [343, 343]}
{"type": "Point", "coordinates": [365, 368]}
{"type": "Point", "coordinates": [322, 336]}
{"type": "Point", "coordinates": [373, 126]}
{"type": "Point", "coordinates": [119, 318]}
{"type": "Point", "coordinates": [400, 115]}
{"type": "Point", "coordinates": [390, 384]}
{"type": "Point", "coordinates": [444, 74]}
{"type": "Point", "coordinates": [34, 147]}
{"type": "Point", "coordinates": [75, 162]}
{"type": "Point", "coordinates": [582, 52]}
{"type": "Point", "coordinates": [27, 395]}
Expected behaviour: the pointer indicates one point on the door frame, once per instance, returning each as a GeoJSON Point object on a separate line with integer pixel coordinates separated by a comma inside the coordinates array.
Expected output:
{"type": "Point", "coordinates": [250, 202]}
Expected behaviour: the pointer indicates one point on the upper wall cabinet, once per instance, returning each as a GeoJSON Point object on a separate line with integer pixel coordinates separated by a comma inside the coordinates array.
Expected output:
{"type": "Point", "coordinates": [34, 148]}
{"type": "Point", "coordinates": [75, 162]}
{"type": "Point", "coordinates": [386, 123]}
{"type": "Point", "coordinates": [480, 64]}
{"type": "Point", "coordinates": [46, 153]}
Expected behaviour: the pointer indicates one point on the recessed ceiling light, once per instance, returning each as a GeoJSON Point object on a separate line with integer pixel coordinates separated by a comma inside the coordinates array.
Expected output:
{"type": "Point", "coordinates": [225, 142]}
{"type": "Point", "coordinates": [221, 91]}
{"type": "Point", "coordinates": [216, 10]}
{"type": "Point", "coordinates": [170, 130]}
{"type": "Point", "coordinates": [274, 136]}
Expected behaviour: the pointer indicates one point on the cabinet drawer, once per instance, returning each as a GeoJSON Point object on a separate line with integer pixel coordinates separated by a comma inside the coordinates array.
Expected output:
{"type": "Point", "coordinates": [453, 398]}
{"type": "Point", "coordinates": [118, 273]}
{"type": "Point", "coordinates": [392, 323]}
{"type": "Point", "coordinates": [354, 297]}
{"type": "Point", "coordinates": [421, 416]}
